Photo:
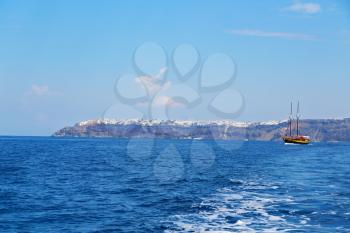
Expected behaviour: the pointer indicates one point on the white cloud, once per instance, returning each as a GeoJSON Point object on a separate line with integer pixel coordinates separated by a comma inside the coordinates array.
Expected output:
{"type": "Point", "coordinates": [283, 35]}
{"type": "Point", "coordinates": [42, 90]}
{"type": "Point", "coordinates": [154, 84]}
{"type": "Point", "coordinates": [158, 88]}
{"type": "Point", "coordinates": [306, 8]}
{"type": "Point", "coordinates": [160, 101]}
{"type": "Point", "coordinates": [161, 72]}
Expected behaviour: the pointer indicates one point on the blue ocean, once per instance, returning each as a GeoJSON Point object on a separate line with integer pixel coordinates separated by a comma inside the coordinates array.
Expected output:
{"type": "Point", "coordinates": [144, 185]}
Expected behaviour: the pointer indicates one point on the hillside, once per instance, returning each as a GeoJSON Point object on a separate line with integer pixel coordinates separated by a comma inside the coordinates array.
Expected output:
{"type": "Point", "coordinates": [318, 129]}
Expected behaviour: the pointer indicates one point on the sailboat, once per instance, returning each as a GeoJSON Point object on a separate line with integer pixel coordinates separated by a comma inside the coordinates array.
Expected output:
{"type": "Point", "coordinates": [295, 139]}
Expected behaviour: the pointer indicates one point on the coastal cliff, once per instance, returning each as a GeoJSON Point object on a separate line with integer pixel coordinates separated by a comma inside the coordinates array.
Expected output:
{"type": "Point", "coordinates": [317, 129]}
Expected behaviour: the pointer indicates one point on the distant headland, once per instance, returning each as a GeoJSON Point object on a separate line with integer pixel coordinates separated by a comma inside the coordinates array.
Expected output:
{"type": "Point", "coordinates": [318, 129]}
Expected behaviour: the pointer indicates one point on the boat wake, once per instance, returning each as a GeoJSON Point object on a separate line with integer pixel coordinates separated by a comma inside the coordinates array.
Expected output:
{"type": "Point", "coordinates": [245, 207]}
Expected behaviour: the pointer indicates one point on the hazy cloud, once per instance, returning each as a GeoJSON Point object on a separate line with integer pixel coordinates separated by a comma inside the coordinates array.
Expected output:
{"type": "Point", "coordinates": [160, 101]}
{"type": "Point", "coordinates": [153, 84]}
{"type": "Point", "coordinates": [283, 35]}
{"type": "Point", "coordinates": [157, 87]}
{"type": "Point", "coordinates": [305, 8]}
{"type": "Point", "coordinates": [43, 90]}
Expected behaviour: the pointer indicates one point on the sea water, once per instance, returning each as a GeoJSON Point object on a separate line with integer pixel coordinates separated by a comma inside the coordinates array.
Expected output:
{"type": "Point", "coordinates": [144, 185]}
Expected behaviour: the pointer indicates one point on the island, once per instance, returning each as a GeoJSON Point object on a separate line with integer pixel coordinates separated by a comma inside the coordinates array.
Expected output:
{"type": "Point", "coordinates": [317, 129]}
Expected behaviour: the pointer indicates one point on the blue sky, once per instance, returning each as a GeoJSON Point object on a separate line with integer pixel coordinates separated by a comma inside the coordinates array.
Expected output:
{"type": "Point", "coordinates": [59, 60]}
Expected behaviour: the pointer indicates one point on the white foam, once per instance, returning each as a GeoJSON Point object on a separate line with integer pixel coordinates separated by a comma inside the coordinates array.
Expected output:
{"type": "Point", "coordinates": [237, 209]}
{"type": "Point", "coordinates": [275, 218]}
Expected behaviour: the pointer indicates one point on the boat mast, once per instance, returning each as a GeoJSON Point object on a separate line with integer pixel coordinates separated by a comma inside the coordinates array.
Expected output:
{"type": "Point", "coordinates": [290, 119]}
{"type": "Point", "coordinates": [298, 120]}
